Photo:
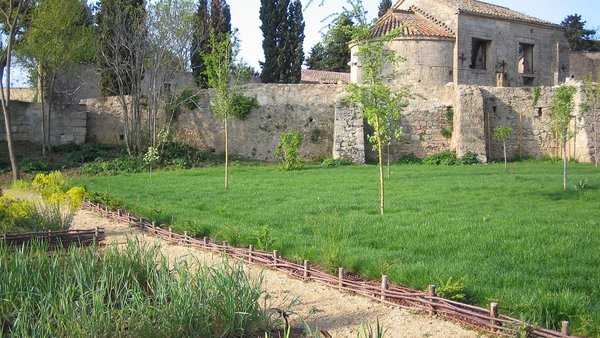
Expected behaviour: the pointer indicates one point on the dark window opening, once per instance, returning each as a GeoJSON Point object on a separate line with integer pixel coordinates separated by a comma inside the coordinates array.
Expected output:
{"type": "Point", "coordinates": [525, 58]}
{"type": "Point", "coordinates": [121, 137]}
{"type": "Point", "coordinates": [479, 51]}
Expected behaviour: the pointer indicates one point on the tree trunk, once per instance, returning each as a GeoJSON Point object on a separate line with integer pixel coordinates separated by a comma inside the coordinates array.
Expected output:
{"type": "Point", "coordinates": [380, 153]}
{"type": "Point", "coordinates": [564, 150]}
{"type": "Point", "coordinates": [42, 99]}
{"type": "Point", "coordinates": [226, 154]}
{"type": "Point", "coordinates": [50, 103]}
{"type": "Point", "coordinates": [595, 135]}
{"type": "Point", "coordinates": [388, 161]}
{"type": "Point", "coordinates": [505, 162]}
{"type": "Point", "coordinates": [5, 108]}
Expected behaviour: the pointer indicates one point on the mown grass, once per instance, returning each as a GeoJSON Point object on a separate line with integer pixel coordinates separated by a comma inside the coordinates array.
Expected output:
{"type": "Point", "coordinates": [517, 239]}
{"type": "Point", "coordinates": [135, 293]}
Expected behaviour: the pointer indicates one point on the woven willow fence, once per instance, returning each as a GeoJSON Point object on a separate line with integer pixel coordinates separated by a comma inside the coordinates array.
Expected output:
{"type": "Point", "coordinates": [486, 320]}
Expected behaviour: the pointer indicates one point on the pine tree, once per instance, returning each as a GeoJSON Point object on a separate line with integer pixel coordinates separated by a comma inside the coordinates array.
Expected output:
{"type": "Point", "coordinates": [218, 18]}
{"type": "Point", "coordinates": [384, 6]}
{"type": "Point", "coordinates": [333, 53]}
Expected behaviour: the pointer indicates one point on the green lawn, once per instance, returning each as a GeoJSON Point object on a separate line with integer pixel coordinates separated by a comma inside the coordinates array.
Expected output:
{"type": "Point", "coordinates": [517, 239]}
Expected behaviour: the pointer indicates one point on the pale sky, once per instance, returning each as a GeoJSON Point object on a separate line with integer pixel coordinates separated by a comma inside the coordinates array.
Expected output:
{"type": "Point", "coordinates": [244, 16]}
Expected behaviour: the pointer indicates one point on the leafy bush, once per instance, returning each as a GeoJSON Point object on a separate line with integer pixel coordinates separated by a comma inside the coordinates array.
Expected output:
{"type": "Point", "coordinates": [49, 184]}
{"type": "Point", "coordinates": [333, 162]}
{"type": "Point", "coordinates": [288, 150]}
{"type": "Point", "coordinates": [469, 158]}
{"type": "Point", "coordinates": [242, 105]}
{"type": "Point", "coordinates": [446, 157]}
{"type": "Point", "coordinates": [14, 213]}
{"type": "Point", "coordinates": [21, 215]}
{"type": "Point", "coordinates": [182, 155]}
{"type": "Point", "coordinates": [453, 290]}
{"type": "Point", "coordinates": [106, 199]}
{"type": "Point", "coordinates": [34, 166]}
{"type": "Point", "coordinates": [86, 152]}
{"type": "Point", "coordinates": [447, 133]}
{"type": "Point", "coordinates": [264, 238]}
{"type": "Point", "coordinates": [409, 159]}
{"type": "Point", "coordinates": [122, 164]}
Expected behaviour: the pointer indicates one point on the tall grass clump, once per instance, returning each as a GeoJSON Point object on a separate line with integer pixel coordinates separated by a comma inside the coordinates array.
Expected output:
{"type": "Point", "coordinates": [131, 292]}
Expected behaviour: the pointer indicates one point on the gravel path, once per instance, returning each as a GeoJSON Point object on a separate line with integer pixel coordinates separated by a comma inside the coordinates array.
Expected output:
{"type": "Point", "coordinates": [339, 313]}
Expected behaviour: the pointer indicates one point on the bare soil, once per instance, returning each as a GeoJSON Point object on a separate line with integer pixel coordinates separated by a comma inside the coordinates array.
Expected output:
{"type": "Point", "coordinates": [308, 303]}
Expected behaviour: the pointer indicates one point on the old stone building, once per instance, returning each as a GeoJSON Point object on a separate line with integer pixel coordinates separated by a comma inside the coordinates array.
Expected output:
{"type": "Point", "coordinates": [468, 42]}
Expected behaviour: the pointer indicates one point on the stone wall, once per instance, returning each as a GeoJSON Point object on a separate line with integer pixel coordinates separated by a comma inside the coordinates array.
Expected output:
{"type": "Point", "coordinates": [309, 109]}
{"type": "Point", "coordinates": [349, 132]}
{"type": "Point", "coordinates": [68, 123]}
{"type": "Point", "coordinates": [585, 65]}
{"type": "Point", "coordinates": [104, 120]}
{"type": "Point", "coordinates": [532, 136]}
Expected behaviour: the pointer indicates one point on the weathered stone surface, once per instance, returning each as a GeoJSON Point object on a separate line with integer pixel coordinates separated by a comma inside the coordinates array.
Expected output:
{"type": "Point", "coordinates": [68, 123]}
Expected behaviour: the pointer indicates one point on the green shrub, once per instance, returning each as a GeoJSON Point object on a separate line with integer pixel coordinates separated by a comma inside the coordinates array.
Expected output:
{"type": "Point", "coordinates": [106, 199]}
{"type": "Point", "coordinates": [409, 159]}
{"type": "Point", "coordinates": [122, 164]}
{"type": "Point", "coordinates": [242, 105]}
{"type": "Point", "coordinates": [469, 158]}
{"type": "Point", "coordinates": [333, 162]}
{"type": "Point", "coordinates": [287, 150]}
{"type": "Point", "coordinates": [446, 157]}
{"type": "Point", "coordinates": [453, 290]}
{"type": "Point", "coordinates": [182, 155]}
{"type": "Point", "coordinates": [34, 166]}
{"type": "Point", "coordinates": [446, 133]}
{"type": "Point", "coordinates": [264, 238]}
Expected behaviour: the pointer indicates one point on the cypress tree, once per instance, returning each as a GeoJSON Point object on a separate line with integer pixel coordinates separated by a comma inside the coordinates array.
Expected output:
{"type": "Point", "coordinates": [217, 18]}
{"type": "Point", "coordinates": [270, 22]}
{"type": "Point", "coordinates": [384, 6]}
{"type": "Point", "coordinates": [333, 53]}
{"type": "Point", "coordinates": [283, 37]}
{"type": "Point", "coordinates": [295, 44]}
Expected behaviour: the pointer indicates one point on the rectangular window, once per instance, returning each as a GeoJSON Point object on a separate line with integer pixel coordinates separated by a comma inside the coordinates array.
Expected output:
{"type": "Point", "coordinates": [525, 58]}
{"type": "Point", "coordinates": [479, 51]}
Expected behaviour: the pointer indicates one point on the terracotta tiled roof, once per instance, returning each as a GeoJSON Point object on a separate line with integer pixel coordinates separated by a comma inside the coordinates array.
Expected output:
{"type": "Point", "coordinates": [411, 24]}
{"type": "Point", "coordinates": [484, 8]}
{"type": "Point", "coordinates": [320, 76]}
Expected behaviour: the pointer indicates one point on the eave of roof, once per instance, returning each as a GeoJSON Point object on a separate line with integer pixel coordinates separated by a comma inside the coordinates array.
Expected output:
{"type": "Point", "coordinates": [410, 24]}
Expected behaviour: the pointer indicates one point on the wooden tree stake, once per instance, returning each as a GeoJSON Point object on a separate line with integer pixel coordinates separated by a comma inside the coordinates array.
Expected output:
{"type": "Point", "coordinates": [493, 313]}
{"type": "Point", "coordinates": [565, 330]}
{"type": "Point", "coordinates": [306, 273]}
{"type": "Point", "coordinates": [384, 286]}
{"type": "Point", "coordinates": [433, 294]}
